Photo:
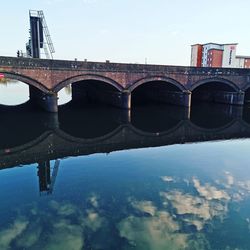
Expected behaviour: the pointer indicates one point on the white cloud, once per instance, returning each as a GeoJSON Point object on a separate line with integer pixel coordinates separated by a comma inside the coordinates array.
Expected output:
{"type": "Point", "coordinates": [9, 234]}
{"type": "Point", "coordinates": [63, 209]}
{"type": "Point", "coordinates": [197, 210]}
{"type": "Point", "coordinates": [65, 222]}
{"type": "Point", "coordinates": [145, 206]}
{"type": "Point", "coordinates": [64, 236]}
{"type": "Point", "coordinates": [167, 178]}
{"type": "Point", "coordinates": [188, 204]}
{"type": "Point", "coordinates": [93, 199]}
{"type": "Point", "coordinates": [93, 220]}
{"type": "Point", "coordinates": [229, 179]}
{"type": "Point", "coordinates": [199, 224]}
{"type": "Point", "coordinates": [30, 236]}
{"type": "Point", "coordinates": [152, 233]}
{"type": "Point", "coordinates": [210, 192]}
{"type": "Point", "coordinates": [245, 185]}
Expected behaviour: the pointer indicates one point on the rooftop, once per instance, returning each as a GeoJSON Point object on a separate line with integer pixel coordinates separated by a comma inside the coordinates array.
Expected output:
{"type": "Point", "coordinates": [247, 57]}
{"type": "Point", "coordinates": [220, 44]}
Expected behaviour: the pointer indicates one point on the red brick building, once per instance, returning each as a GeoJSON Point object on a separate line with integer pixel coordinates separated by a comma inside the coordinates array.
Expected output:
{"type": "Point", "coordinates": [217, 55]}
{"type": "Point", "coordinates": [243, 61]}
{"type": "Point", "coordinates": [215, 58]}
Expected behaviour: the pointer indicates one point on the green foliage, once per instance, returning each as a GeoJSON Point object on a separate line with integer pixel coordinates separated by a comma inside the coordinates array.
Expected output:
{"type": "Point", "coordinates": [5, 81]}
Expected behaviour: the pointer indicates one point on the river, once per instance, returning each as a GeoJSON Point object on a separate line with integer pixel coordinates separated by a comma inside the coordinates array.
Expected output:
{"type": "Point", "coordinates": [96, 177]}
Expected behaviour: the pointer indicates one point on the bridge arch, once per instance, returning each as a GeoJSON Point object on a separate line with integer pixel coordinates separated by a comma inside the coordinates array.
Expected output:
{"type": "Point", "coordinates": [85, 77]}
{"type": "Point", "coordinates": [25, 79]}
{"type": "Point", "coordinates": [217, 90]}
{"type": "Point", "coordinates": [157, 79]}
{"type": "Point", "coordinates": [215, 80]}
{"type": "Point", "coordinates": [158, 89]}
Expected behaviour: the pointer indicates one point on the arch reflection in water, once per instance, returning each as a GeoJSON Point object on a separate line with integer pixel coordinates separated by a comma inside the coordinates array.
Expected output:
{"type": "Point", "coordinates": [89, 121]}
{"type": "Point", "coordinates": [158, 118]}
{"type": "Point", "coordinates": [96, 129]}
{"type": "Point", "coordinates": [214, 116]}
{"type": "Point", "coordinates": [23, 124]}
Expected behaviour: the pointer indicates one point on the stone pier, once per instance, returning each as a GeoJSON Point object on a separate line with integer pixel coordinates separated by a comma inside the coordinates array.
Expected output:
{"type": "Point", "coordinates": [46, 101]}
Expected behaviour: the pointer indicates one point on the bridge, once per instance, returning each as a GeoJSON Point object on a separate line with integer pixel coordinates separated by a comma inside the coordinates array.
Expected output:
{"type": "Point", "coordinates": [122, 85]}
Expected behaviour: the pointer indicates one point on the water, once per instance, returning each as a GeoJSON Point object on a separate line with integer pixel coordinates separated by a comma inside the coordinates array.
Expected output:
{"type": "Point", "coordinates": [160, 177]}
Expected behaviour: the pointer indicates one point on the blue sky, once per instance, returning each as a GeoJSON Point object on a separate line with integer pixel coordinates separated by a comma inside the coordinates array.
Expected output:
{"type": "Point", "coordinates": [128, 30]}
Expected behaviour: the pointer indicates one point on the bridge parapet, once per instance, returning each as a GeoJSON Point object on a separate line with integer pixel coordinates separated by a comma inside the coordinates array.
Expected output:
{"type": "Point", "coordinates": [30, 63]}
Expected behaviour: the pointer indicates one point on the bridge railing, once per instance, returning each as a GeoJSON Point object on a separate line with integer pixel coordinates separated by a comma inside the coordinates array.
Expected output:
{"type": "Point", "coordinates": [117, 67]}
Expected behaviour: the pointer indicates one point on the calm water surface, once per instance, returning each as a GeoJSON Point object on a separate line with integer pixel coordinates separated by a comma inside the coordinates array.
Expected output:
{"type": "Point", "coordinates": [95, 177]}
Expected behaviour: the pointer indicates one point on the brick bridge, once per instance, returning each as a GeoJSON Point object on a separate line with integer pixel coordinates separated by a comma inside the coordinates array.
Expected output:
{"type": "Point", "coordinates": [123, 84]}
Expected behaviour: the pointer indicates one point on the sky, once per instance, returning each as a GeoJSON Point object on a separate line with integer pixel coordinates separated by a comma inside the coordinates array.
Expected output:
{"type": "Point", "coordinates": [129, 31]}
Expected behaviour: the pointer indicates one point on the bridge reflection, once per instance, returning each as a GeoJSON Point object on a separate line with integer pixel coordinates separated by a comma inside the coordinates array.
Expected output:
{"type": "Point", "coordinates": [46, 180]}
{"type": "Point", "coordinates": [22, 124]}
{"type": "Point", "coordinates": [89, 121]}
{"type": "Point", "coordinates": [31, 137]}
